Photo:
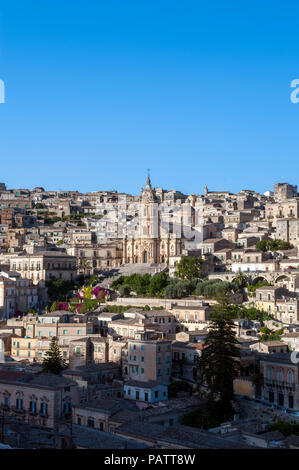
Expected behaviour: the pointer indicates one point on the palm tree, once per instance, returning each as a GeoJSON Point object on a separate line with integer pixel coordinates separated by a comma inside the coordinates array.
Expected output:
{"type": "Point", "coordinates": [84, 265]}
{"type": "Point", "coordinates": [241, 280]}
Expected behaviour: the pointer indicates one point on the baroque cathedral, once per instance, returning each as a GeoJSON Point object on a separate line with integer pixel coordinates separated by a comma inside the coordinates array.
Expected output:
{"type": "Point", "coordinates": [154, 240]}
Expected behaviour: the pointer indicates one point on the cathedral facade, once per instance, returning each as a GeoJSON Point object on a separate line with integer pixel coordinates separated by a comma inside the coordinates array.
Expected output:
{"type": "Point", "coordinates": [152, 242]}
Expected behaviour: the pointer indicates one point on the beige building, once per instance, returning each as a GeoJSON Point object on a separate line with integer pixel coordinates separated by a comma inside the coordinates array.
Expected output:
{"type": "Point", "coordinates": [16, 293]}
{"type": "Point", "coordinates": [44, 266]}
{"type": "Point", "coordinates": [23, 348]}
{"type": "Point", "coordinates": [284, 191]}
{"type": "Point", "coordinates": [147, 360]}
{"type": "Point", "coordinates": [192, 317]}
{"type": "Point", "coordinates": [288, 230]}
{"type": "Point", "coordinates": [266, 297]}
{"type": "Point", "coordinates": [270, 347]}
{"type": "Point", "coordinates": [43, 399]}
{"type": "Point", "coordinates": [287, 310]}
{"type": "Point", "coordinates": [282, 210]}
{"type": "Point", "coordinates": [104, 256]}
{"type": "Point", "coordinates": [127, 328]}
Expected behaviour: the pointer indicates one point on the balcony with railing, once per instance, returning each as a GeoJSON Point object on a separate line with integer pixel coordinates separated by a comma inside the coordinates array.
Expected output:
{"type": "Point", "coordinates": [279, 384]}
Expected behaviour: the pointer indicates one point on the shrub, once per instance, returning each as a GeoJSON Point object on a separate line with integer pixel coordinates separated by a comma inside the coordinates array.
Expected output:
{"type": "Point", "coordinates": [124, 291]}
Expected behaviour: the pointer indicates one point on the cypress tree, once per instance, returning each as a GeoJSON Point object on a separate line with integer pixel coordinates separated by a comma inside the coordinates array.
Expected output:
{"type": "Point", "coordinates": [218, 363]}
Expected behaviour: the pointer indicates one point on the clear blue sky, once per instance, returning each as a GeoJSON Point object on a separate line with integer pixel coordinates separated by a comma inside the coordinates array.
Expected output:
{"type": "Point", "coordinates": [97, 91]}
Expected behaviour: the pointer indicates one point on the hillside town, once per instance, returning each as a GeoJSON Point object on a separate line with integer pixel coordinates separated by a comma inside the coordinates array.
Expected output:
{"type": "Point", "coordinates": [109, 306]}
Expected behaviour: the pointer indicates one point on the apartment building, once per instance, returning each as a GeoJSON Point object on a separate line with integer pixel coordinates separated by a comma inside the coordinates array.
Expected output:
{"type": "Point", "coordinates": [282, 210]}
{"type": "Point", "coordinates": [287, 310]}
{"type": "Point", "coordinates": [192, 317]}
{"type": "Point", "coordinates": [162, 320]}
{"type": "Point", "coordinates": [147, 360]}
{"type": "Point", "coordinates": [43, 399]}
{"type": "Point", "coordinates": [281, 385]}
{"type": "Point", "coordinates": [44, 266]}
{"type": "Point", "coordinates": [23, 348]}
{"type": "Point", "coordinates": [288, 230]}
{"type": "Point", "coordinates": [127, 328]}
{"type": "Point", "coordinates": [185, 357]}
{"type": "Point", "coordinates": [16, 294]}
{"type": "Point", "coordinates": [266, 297]}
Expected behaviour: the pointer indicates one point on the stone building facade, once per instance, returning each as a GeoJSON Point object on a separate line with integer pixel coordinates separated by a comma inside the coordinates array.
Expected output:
{"type": "Point", "coordinates": [150, 243]}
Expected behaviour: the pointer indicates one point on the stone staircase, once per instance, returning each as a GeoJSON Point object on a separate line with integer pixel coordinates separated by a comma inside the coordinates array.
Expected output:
{"type": "Point", "coordinates": [129, 269]}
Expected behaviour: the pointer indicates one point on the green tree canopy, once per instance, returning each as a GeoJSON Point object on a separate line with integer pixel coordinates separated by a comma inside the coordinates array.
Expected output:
{"type": "Point", "coordinates": [241, 280]}
{"type": "Point", "coordinates": [268, 334]}
{"type": "Point", "coordinates": [124, 290]}
{"type": "Point", "coordinates": [189, 268]}
{"type": "Point", "coordinates": [272, 245]}
{"type": "Point", "coordinates": [157, 284]}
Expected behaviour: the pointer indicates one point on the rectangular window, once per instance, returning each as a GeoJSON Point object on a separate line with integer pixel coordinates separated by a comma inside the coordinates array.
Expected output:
{"type": "Point", "coordinates": [32, 407]}
{"type": "Point", "coordinates": [19, 403]}
{"type": "Point", "coordinates": [43, 408]}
